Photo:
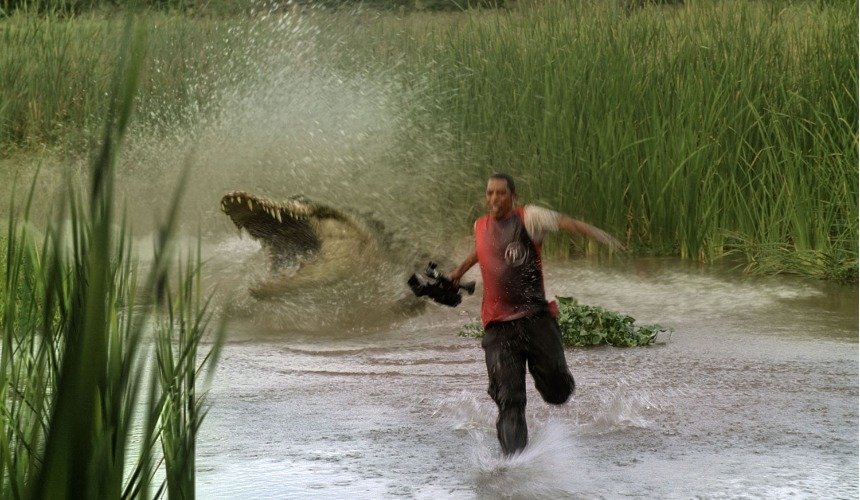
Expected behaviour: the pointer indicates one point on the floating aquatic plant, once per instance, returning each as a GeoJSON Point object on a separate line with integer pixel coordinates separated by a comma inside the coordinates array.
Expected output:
{"type": "Point", "coordinates": [583, 325]}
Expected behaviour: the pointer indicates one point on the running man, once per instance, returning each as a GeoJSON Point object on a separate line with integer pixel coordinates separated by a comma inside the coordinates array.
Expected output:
{"type": "Point", "coordinates": [519, 324]}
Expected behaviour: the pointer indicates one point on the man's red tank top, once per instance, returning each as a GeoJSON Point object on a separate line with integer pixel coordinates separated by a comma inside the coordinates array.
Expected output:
{"type": "Point", "coordinates": [511, 268]}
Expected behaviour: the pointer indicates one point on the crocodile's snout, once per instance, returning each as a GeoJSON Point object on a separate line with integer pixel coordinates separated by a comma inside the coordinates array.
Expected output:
{"type": "Point", "coordinates": [286, 228]}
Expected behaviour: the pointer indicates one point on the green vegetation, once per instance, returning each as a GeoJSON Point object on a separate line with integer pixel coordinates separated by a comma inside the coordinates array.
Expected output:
{"type": "Point", "coordinates": [56, 74]}
{"type": "Point", "coordinates": [701, 130]}
{"type": "Point", "coordinates": [582, 326]}
{"type": "Point", "coordinates": [713, 128]}
{"type": "Point", "coordinates": [86, 401]}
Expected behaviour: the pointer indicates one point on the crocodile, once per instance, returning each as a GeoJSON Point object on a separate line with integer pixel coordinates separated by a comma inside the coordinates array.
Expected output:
{"type": "Point", "coordinates": [330, 267]}
{"type": "Point", "coordinates": [311, 245]}
{"type": "Point", "coordinates": [297, 231]}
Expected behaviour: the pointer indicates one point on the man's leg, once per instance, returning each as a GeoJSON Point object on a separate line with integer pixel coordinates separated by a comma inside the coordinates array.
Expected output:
{"type": "Point", "coordinates": [546, 360]}
{"type": "Point", "coordinates": [506, 368]}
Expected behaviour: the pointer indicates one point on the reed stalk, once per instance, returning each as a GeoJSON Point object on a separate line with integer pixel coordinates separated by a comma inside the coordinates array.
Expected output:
{"type": "Point", "coordinates": [75, 347]}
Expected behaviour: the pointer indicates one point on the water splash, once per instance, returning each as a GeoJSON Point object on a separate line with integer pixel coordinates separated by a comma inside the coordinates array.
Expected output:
{"type": "Point", "coordinates": [618, 410]}
{"type": "Point", "coordinates": [546, 468]}
{"type": "Point", "coordinates": [465, 412]}
{"type": "Point", "coordinates": [297, 110]}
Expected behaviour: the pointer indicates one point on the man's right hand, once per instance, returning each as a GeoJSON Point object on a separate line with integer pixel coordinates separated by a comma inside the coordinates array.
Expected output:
{"type": "Point", "coordinates": [454, 278]}
{"type": "Point", "coordinates": [455, 275]}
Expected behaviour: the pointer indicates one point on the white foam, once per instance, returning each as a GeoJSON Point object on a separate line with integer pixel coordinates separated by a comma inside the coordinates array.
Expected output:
{"type": "Point", "coordinates": [546, 468]}
{"type": "Point", "coordinates": [619, 410]}
{"type": "Point", "coordinates": [235, 246]}
{"type": "Point", "coordinates": [465, 412]}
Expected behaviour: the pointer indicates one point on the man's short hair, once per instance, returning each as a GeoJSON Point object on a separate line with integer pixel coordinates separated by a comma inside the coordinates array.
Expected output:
{"type": "Point", "coordinates": [508, 179]}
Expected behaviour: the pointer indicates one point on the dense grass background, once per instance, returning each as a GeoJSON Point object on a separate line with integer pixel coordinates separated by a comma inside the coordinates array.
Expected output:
{"type": "Point", "coordinates": [56, 74]}
{"type": "Point", "coordinates": [699, 130]}
{"type": "Point", "coordinates": [695, 131]}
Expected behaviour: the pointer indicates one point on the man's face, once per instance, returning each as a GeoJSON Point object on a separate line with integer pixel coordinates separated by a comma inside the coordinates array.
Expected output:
{"type": "Point", "coordinates": [500, 200]}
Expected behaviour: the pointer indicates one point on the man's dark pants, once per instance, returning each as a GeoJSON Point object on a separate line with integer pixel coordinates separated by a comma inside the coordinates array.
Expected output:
{"type": "Point", "coordinates": [511, 345]}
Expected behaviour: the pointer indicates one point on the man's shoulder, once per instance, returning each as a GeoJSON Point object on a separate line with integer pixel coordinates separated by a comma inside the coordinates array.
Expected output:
{"type": "Point", "coordinates": [531, 207]}
{"type": "Point", "coordinates": [539, 220]}
{"type": "Point", "coordinates": [481, 222]}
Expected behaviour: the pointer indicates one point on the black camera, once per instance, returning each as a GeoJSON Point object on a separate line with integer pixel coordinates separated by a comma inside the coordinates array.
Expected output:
{"type": "Point", "coordinates": [435, 285]}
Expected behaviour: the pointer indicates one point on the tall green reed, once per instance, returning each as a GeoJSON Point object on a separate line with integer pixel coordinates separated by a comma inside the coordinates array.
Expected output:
{"type": "Point", "coordinates": [186, 320]}
{"type": "Point", "coordinates": [696, 130]}
{"type": "Point", "coordinates": [75, 351]}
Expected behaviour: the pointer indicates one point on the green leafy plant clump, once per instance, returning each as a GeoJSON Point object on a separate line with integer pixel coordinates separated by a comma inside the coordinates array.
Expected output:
{"type": "Point", "coordinates": [583, 325]}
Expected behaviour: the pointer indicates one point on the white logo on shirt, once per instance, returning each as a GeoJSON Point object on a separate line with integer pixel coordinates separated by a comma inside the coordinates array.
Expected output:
{"type": "Point", "coordinates": [515, 254]}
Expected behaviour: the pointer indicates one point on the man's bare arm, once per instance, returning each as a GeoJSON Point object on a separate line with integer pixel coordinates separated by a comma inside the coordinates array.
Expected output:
{"type": "Point", "coordinates": [575, 226]}
{"type": "Point", "coordinates": [467, 264]}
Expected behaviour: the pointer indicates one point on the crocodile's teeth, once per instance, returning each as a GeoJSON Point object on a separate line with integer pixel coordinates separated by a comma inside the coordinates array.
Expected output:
{"type": "Point", "coordinates": [250, 204]}
{"type": "Point", "coordinates": [278, 215]}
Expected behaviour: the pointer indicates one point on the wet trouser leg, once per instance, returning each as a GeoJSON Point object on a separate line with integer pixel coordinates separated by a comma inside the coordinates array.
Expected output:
{"type": "Point", "coordinates": [546, 361]}
{"type": "Point", "coordinates": [510, 346]}
{"type": "Point", "coordinates": [506, 368]}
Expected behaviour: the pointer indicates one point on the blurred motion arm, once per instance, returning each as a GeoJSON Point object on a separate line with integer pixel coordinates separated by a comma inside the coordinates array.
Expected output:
{"type": "Point", "coordinates": [575, 226]}
{"type": "Point", "coordinates": [467, 264]}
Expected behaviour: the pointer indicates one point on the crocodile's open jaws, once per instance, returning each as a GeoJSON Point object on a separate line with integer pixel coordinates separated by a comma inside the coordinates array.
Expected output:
{"type": "Point", "coordinates": [297, 231]}
{"type": "Point", "coordinates": [331, 266]}
{"type": "Point", "coordinates": [313, 248]}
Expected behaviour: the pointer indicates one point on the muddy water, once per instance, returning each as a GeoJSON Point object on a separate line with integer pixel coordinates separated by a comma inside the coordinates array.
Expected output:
{"type": "Point", "coordinates": [754, 395]}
